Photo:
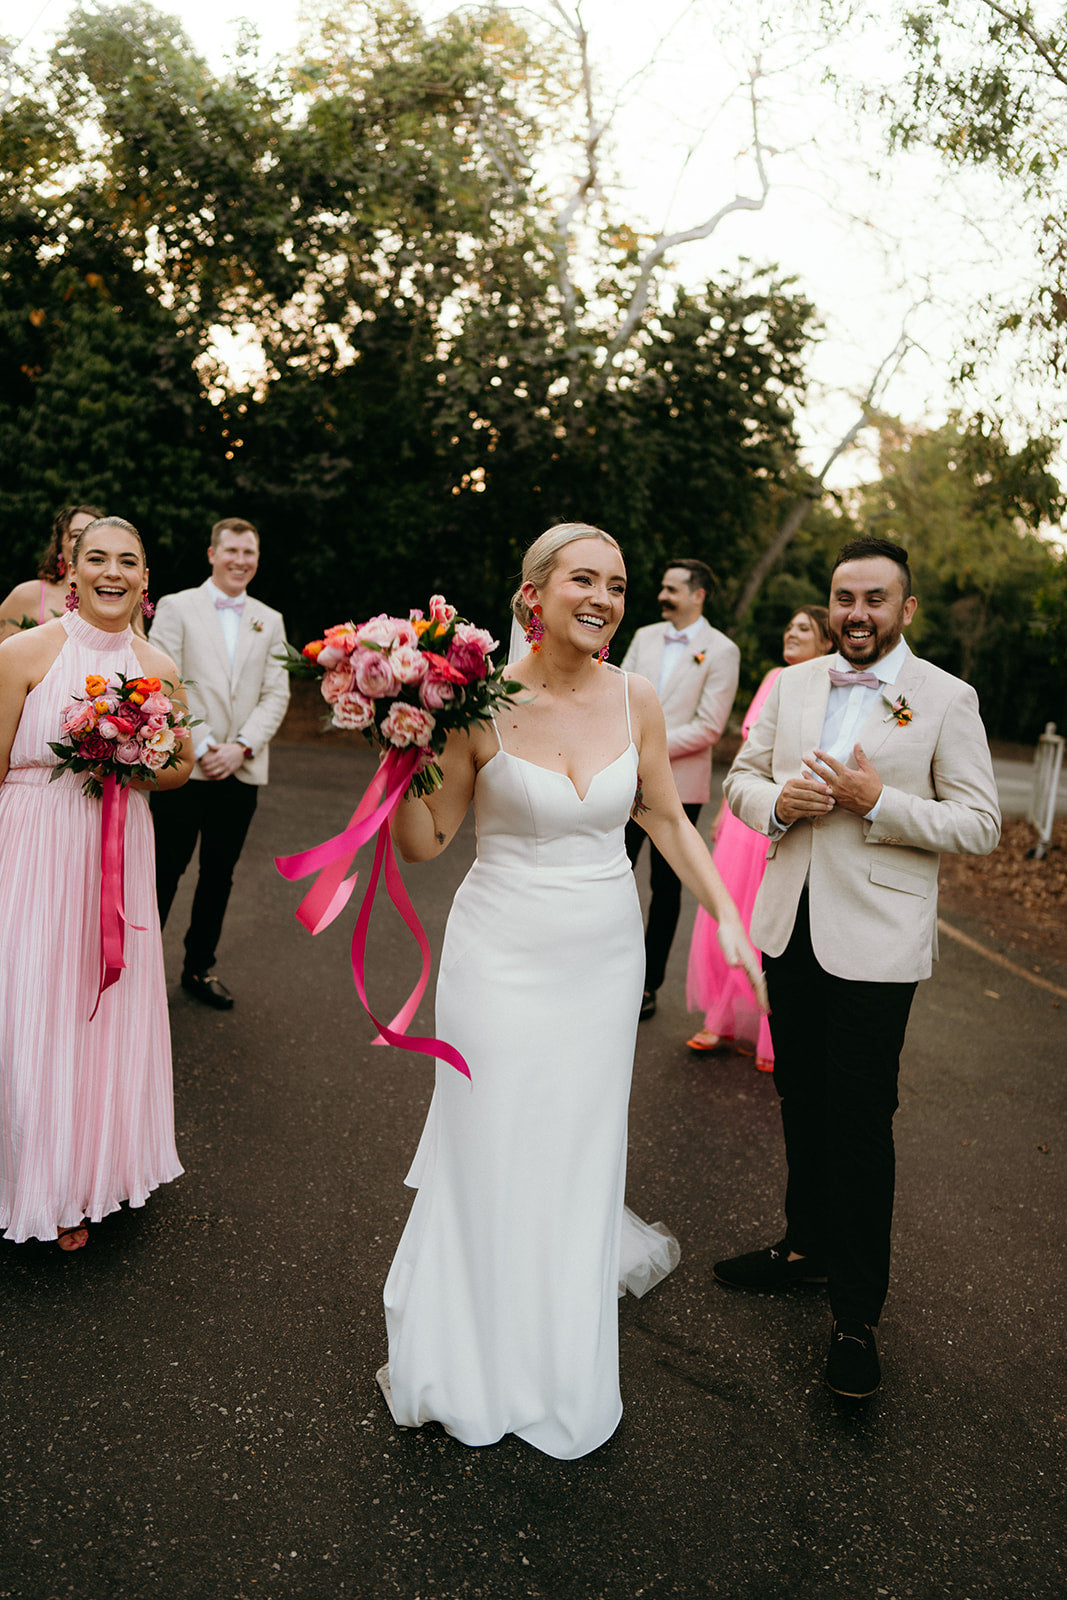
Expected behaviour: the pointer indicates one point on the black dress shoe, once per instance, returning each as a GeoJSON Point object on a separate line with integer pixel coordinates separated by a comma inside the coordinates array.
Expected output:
{"type": "Point", "coordinates": [852, 1366]}
{"type": "Point", "coordinates": [769, 1269]}
{"type": "Point", "coordinates": [208, 989]}
{"type": "Point", "coordinates": [648, 1005]}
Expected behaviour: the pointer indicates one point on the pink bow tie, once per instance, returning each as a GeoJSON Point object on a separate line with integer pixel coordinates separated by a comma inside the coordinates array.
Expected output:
{"type": "Point", "coordinates": [675, 638]}
{"type": "Point", "coordinates": [849, 680]}
{"type": "Point", "coordinates": [224, 603]}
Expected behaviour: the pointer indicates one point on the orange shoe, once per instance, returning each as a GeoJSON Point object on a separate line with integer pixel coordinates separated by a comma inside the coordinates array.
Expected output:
{"type": "Point", "coordinates": [764, 1063]}
{"type": "Point", "coordinates": [704, 1041]}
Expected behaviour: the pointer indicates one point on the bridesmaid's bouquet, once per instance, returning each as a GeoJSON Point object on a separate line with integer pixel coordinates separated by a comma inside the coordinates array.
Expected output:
{"type": "Point", "coordinates": [121, 728]}
{"type": "Point", "coordinates": [406, 682]}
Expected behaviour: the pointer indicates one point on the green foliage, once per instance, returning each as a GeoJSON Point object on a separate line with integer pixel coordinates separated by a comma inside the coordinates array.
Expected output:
{"type": "Point", "coordinates": [967, 507]}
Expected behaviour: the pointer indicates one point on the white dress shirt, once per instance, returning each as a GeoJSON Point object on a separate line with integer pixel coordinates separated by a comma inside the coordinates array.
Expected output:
{"type": "Point", "coordinates": [848, 709]}
{"type": "Point", "coordinates": [230, 623]}
{"type": "Point", "coordinates": [673, 651]}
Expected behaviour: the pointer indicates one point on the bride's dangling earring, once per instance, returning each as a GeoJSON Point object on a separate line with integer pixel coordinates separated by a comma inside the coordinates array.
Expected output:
{"type": "Point", "coordinates": [602, 654]}
{"type": "Point", "coordinates": [535, 630]}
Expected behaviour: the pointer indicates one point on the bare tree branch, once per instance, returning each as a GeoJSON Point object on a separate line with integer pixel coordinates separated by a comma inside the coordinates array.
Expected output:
{"type": "Point", "coordinates": [1039, 44]}
{"type": "Point", "coordinates": [665, 242]}
{"type": "Point", "coordinates": [797, 512]}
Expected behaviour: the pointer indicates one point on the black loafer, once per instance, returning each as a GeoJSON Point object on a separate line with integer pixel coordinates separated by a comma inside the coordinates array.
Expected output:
{"type": "Point", "coordinates": [207, 989]}
{"type": "Point", "coordinates": [852, 1366]}
{"type": "Point", "coordinates": [648, 1005]}
{"type": "Point", "coordinates": [769, 1269]}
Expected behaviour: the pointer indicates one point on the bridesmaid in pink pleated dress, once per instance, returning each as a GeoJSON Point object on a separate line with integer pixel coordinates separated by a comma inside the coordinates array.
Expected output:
{"type": "Point", "coordinates": [731, 1015]}
{"type": "Point", "coordinates": [86, 1107]}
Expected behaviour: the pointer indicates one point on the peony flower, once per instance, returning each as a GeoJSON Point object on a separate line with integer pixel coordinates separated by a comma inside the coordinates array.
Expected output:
{"type": "Point", "coordinates": [129, 752]}
{"type": "Point", "coordinates": [386, 632]}
{"type": "Point", "coordinates": [157, 705]}
{"type": "Point", "coordinates": [163, 739]}
{"type": "Point", "coordinates": [373, 674]}
{"type": "Point", "coordinates": [469, 651]}
{"type": "Point", "coordinates": [155, 759]}
{"type": "Point", "coordinates": [435, 694]}
{"type": "Point", "coordinates": [408, 664]}
{"type": "Point", "coordinates": [407, 725]}
{"type": "Point", "coordinates": [108, 728]}
{"type": "Point", "coordinates": [332, 655]}
{"type": "Point", "coordinates": [353, 711]}
{"type": "Point", "coordinates": [440, 610]}
{"type": "Point", "coordinates": [78, 717]}
{"type": "Point", "coordinates": [337, 681]}
{"type": "Point", "coordinates": [342, 636]}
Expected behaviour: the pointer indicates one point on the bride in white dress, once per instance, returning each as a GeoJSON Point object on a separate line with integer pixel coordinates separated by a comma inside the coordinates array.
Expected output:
{"type": "Point", "coordinates": [501, 1302]}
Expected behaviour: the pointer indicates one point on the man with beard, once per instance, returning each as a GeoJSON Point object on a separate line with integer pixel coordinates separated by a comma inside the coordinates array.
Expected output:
{"type": "Point", "coordinates": [863, 766]}
{"type": "Point", "coordinates": [693, 668]}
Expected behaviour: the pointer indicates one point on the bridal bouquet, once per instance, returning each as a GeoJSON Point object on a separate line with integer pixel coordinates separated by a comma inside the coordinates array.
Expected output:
{"type": "Point", "coordinates": [406, 682]}
{"type": "Point", "coordinates": [123, 728]}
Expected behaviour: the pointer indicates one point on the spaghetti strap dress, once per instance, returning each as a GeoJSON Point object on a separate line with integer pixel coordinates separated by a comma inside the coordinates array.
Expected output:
{"type": "Point", "coordinates": [86, 1107]}
{"type": "Point", "coordinates": [502, 1300]}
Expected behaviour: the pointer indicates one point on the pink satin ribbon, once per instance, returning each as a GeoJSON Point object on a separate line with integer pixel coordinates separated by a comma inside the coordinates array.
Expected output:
{"type": "Point", "coordinates": [331, 891]}
{"type": "Point", "coordinates": [112, 886]}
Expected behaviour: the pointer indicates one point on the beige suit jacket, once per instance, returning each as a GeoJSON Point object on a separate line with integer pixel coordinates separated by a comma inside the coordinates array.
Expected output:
{"type": "Point", "coordinates": [242, 704]}
{"type": "Point", "coordinates": [872, 885]}
{"type": "Point", "coordinates": [696, 699]}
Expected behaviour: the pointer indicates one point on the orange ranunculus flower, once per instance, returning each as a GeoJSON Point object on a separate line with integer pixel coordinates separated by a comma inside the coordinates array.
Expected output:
{"type": "Point", "coordinates": [101, 706]}
{"type": "Point", "coordinates": [94, 685]}
{"type": "Point", "coordinates": [149, 686]}
{"type": "Point", "coordinates": [136, 698]}
{"type": "Point", "coordinates": [423, 625]}
{"type": "Point", "coordinates": [314, 649]}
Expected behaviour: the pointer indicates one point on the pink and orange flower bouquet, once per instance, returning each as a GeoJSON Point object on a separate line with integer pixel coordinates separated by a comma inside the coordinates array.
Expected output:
{"type": "Point", "coordinates": [405, 683]}
{"type": "Point", "coordinates": [118, 730]}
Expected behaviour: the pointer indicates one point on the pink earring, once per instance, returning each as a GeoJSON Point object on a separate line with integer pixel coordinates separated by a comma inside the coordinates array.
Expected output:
{"type": "Point", "coordinates": [148, 610]}
{"type": "Point", "coordinates": [602, 655]}
{"type": "Point", "coordinates": [71, 602]}
{"type": "Point", "coordinates": [535, 630]}
{"type": "Point", "coordinates": [61, 567]}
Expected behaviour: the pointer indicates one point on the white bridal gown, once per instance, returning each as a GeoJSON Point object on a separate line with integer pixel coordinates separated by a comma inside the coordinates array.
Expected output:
{"type": "Point", "coordinates": [502, 1299]}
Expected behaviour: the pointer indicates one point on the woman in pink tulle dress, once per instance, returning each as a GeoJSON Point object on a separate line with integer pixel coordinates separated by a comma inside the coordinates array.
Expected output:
{"type": "Point", "coordinates": [86, 1106]}
{"type": "Point", "coordinates": [730, 1013]}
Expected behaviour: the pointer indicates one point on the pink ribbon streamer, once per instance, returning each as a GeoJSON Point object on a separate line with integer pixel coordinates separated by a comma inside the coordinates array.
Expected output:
{"type": "Point", "coordinates": [112, 886]}
{"type": "Point", "coordinates": [331, 891]}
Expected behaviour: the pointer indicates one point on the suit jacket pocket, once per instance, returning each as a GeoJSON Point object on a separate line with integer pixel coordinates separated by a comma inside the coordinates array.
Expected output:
{"type": "Point", "coordinates": [892, 875]}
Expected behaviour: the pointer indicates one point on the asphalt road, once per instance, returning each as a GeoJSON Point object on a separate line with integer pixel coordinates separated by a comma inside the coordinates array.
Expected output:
{"type": "Point", "coordinates": [190, 1407]}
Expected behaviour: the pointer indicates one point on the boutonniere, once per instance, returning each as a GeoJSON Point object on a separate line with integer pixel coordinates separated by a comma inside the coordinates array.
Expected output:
{"type": "Point", "coordinates": [901, 712]}
{"type": "Point", "coordinates": [257, 627]}
{"type": "Point", "coordinates": [699, 659]}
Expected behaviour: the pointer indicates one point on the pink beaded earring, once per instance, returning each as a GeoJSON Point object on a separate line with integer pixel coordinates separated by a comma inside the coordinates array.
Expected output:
{"type": "Point", "coordinates": [535, 630]}
{"type": "Point", "coordinates": [602, 655]}
{"type": "Point", "coordinates": [71, 602]}
{"type": "Point", "coordinates": [148, 610]}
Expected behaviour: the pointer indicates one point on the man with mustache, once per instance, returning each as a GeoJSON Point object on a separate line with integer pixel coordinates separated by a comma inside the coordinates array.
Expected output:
{"type": "Point", "coordinates": [693, 668]}
{"type": "Point", "coordinates": [226, 644]}
{"type": "Point", "coordinates": [862, 767]}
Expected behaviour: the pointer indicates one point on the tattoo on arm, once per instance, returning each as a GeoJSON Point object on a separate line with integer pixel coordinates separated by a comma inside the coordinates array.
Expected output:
{"type": "Point", "coordinates": [638, 808]}
{"type": "Point", "coordinates": [440, 838]}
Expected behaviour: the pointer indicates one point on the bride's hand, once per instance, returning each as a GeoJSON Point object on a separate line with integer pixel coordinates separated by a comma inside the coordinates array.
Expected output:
{"type": "Point", "coordinates": [739, 953]}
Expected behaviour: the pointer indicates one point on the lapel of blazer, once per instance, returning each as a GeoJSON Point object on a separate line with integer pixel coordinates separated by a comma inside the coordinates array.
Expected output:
{"type": "Point", "coordinates": [686, 663]}
{"type": "Point", "coordinates": [245, 635]}
{"type": "Point", "coordinates": [813, 708]}
{"type": "Point", "coordinates": [211, 629]}
{"type": "Point", "coordinates": [881, 722]}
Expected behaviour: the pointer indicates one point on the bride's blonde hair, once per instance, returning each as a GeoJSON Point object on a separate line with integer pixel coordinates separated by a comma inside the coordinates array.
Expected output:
{"type": "Point", "coordinates": [540, 560]}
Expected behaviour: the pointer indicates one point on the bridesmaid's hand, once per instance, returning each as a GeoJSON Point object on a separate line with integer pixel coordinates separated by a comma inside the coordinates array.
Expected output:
{"type": "Point", "coordinates": [739, 953]}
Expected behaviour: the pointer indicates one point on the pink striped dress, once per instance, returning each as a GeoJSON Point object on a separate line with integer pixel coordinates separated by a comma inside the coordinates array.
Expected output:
{"type": "Point", "coordinates": [86, 1108]}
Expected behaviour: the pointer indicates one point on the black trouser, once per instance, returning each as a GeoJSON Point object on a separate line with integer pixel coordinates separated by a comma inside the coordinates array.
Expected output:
{"type": "Point", "coordinates": [837, 1045]}
{"type": "Point", "coordinates": [666, 902]}
{"type": "Point", "coordinates": [218, 813]}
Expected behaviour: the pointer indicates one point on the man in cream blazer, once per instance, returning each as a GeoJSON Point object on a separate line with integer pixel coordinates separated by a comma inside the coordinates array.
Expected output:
{"type": "Point", "coordinates": [862, 767]}
{"type": "Point", "coordinates": [693, 668]}
{"type": "Point", "coordinates": [224, 644]}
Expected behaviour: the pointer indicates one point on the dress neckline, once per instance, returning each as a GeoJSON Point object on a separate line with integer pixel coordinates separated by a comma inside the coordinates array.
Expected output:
{"type": "Point", "coordinates": [581, 798]}
{"type": "Point", "coordinates": [83, 632]}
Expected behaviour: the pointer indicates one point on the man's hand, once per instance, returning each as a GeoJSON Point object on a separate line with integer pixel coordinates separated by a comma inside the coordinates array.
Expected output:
{"type": "Point", "coordinates": [803, 799]}
{"type": "Point", "coordinates": [222, 760]}
{"type": "Point", "coordinates": [854, 789]}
